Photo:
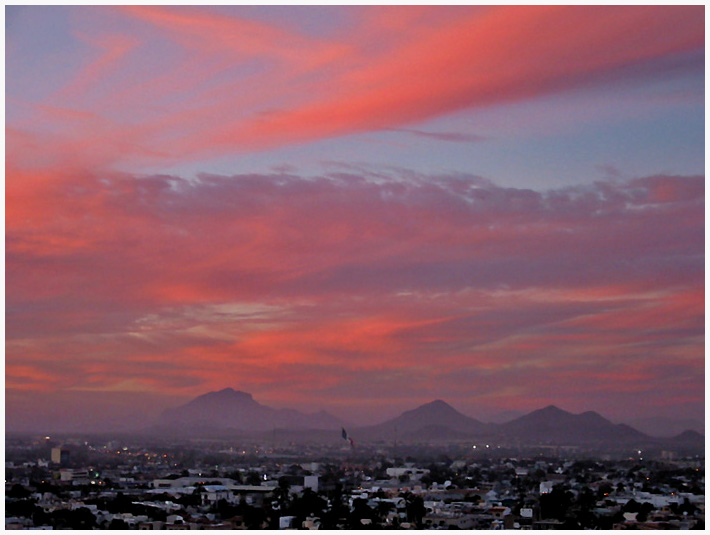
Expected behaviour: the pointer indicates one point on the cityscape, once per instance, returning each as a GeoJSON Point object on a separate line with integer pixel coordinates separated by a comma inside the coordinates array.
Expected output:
{"type": "Point", "coordinates": [355, 267]}
{"type": "Point", "coordinates": [549, 469]}
{"type": "Point", "coordinates": [324, 479]}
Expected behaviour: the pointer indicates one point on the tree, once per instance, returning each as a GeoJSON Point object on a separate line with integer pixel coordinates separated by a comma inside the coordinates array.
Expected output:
{"type": "Point", "coordinates": [309, 503]}
{"type": "Point", "coordinates": [604, 490]}
{"type": "Point", "coordinates": [383, 509]}
{"type": "Point", "coordinates": [687, 507]}
{"type": "Point", "coordinates": [586, 499]}
{"type": "Point", "coordinates": [360, 510]}
{"type": "Point", "coordinates": [21, 508]}
{"type": "Point", "coordinates": [556, 503]}
{"type": "Point", "coordinates": [253, 478]}
{"type": "Point", "coordinates": [338, 512]}
{"type": "Point", "coordinates": [225, 509]}
{"type": "Point", "coordinates": [81, 518]}
{"type": "Point", "coordinates": [118, 523]}
{"type": "Point", "coordinates": [281, 493]}
{"type": "Point", "coordinates": [18, 491]}
{"type": "Point", "coordinates": [414, 506]}
{"type": "Point", "coordinates": [255, 518]}
{"type": "Point", "coordinates": [40, 518]}
{"type": "Point", "coordinates": [191, 499]}
{"type": "Point", "coordinates": [120, 504]}
{"type": "Point", "coordinates": [632, 506]}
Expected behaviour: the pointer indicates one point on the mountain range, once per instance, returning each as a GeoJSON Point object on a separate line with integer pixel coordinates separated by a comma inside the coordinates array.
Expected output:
{"type": "Point", "coordinates": [554, 425]}
{"type": "Point", "coordinates": [437, 419]}
{"type": "Point", "coordinates": [231, 411]}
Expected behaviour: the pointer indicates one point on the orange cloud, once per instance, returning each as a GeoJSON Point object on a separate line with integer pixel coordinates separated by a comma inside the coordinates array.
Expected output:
{"type": "Point", "coordinates": [237, 85]}
{"type": "Point", "coordinates": [385, 280]}
{"type": "Point", "coordinates": [114, 49]}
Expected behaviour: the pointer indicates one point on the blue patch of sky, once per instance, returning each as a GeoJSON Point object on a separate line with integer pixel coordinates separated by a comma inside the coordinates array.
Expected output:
{"type": "Point", "coordinates": [41, 56]}
{"type": "Point", "coordinates": [539, 156]}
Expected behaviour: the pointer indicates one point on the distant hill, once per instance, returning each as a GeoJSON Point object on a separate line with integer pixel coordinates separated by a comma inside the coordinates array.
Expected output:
{"type": "Point", "coordinates": [663, 426]}
{"type": "Point", "coordinates": [548, 426]}
{"type": "Point", "coordinates": [686, 439]}
{"type": "Point", "coordinates": [230, 409]}
{"type": "Point", "coordinates": [552, 425]}
{"type": "Point", "coordinates": [231, 412]}
{"type": "Point", "coordinates": [689, 436]}
{"type": "Point", "coordinates": [437, 419]}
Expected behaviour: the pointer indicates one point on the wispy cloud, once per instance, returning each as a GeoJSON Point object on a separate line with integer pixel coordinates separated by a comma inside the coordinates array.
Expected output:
{"type": "Point", "coordinates": [226, 72]}
{"type": "Point", "coordinates": [455, 137]}
{"type": "Point", "coordinates": [407, 275]}
{"type": "Point", "coordinates": [389, 278]}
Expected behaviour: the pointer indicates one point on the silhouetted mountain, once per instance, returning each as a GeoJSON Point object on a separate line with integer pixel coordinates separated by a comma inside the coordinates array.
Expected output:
{"type": "Point", "coordinates": [436, 433]}
{"type": "Point", "coordinates": [553, 425]}
{"type": "Point", "coordinates": [230, 412]}
{"type": "Point", "coordinates": [663, 426]}
{"type": "Point", "coordinates": [419, 423]}
{"type": "Point", "coordinates": [689, 435]}
{"type": "Point", "coordinates": [505, 416]}
{"type": "Point", "coordinates": [235, 410]}
{"type": "Point", "coordinates": [686, 443]}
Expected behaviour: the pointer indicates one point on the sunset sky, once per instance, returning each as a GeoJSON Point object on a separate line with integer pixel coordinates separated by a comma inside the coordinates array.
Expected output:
{"type": "Point", "coordinates": [356, 209]}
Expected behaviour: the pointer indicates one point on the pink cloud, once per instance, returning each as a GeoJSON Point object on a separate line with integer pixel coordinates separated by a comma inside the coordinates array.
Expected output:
{"type": "Point", "coordinates": [391, 281]}
{"type": "Point", "coordinates": [237, 85]}
{"type": "Point", "coordinates": [114, 48]}
{"type": "Point", "coordinates": [404, 280]}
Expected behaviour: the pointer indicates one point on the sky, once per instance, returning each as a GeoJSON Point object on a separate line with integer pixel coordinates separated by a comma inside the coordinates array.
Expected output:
{"type": "Point", "coordinates": [358, 209]}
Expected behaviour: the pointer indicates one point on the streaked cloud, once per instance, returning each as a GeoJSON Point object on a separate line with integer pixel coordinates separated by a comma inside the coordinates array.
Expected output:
{"type": "Point", "coordinates": [244, 279]}
{"type": "Point", "coordinates": [454, 137]}
{"type": "Point", "coordinates": [394, 281]}
{"type": "Point", "coordinates": [232, 85]}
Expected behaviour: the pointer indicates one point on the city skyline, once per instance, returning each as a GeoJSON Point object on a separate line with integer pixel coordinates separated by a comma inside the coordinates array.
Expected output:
{"type": "Point", "coordinates": [358, 209]}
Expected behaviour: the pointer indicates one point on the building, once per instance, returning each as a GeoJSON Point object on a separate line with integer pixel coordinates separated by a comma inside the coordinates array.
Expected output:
{"type": "Point", "coordinates": [60, 456]}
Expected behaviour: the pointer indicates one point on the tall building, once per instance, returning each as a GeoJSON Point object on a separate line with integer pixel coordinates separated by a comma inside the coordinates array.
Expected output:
{"type": "Point", "coordinates": [60, 456]}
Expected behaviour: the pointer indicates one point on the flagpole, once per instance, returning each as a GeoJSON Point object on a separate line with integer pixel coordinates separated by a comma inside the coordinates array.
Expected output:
{"type": "Point", "coordinates": [394, 453]}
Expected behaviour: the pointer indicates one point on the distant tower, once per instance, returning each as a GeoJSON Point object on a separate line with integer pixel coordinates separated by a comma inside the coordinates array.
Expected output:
{"type": "Point", "coordinates": [60, 456]}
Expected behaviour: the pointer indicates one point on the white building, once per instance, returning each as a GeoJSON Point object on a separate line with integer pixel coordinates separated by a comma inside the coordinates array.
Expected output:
{"type": "Point", "coordinates": [546, 487]}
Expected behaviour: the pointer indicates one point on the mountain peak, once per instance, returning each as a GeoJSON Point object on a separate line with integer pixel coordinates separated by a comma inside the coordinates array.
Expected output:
{"type": "Point", "coordinates": [438, 403]}
{"type": "Point", "coordinates": [435, 409]}
{"type": "Point", "coordinates": [233, 409]}
{"type": "Point", "coordinates": [226, 396]}
{"type": "Point", "coordinates": [551, 409]}
{"type": "Point", "coordinates": [552, 424]}
{"type": "Point", "coordinates": [434, 413]}
{"type": "Point", "coordinates": [231, 393]}
{"type": "Point", "coordinates": [690, 434]}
